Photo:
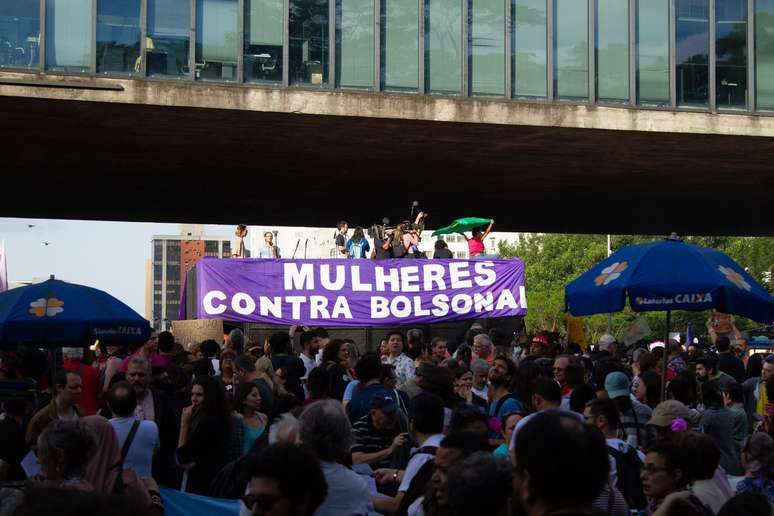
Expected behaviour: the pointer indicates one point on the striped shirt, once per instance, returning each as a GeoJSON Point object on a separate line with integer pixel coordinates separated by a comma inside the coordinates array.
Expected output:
{"type": "Point", "coordinates": [370, 440]}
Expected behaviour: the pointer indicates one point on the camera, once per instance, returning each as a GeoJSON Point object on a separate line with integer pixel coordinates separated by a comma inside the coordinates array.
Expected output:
{"type": "Point", "coordinates": [380, 232]}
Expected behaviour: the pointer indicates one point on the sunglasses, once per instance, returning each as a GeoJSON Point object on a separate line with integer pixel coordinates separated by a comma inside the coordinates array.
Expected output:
{"type": "Point", "coordinates": [262, 502]}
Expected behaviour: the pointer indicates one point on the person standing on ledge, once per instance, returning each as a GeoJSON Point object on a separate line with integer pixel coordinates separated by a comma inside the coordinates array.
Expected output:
{"type": "Point", "coordinates": [476, 242]}
{"type": "Point", "coordinates": [341, 238]}
{"type": "Point", "coordinates": [241, 233]}
{"type": "Point", "coordinates": [269, 250]}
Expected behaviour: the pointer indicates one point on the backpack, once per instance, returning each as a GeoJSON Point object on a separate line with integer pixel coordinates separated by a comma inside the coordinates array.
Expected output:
{"type": "Point", "coordinates": [628, 466]}
{"type": "Point", "coordinates": [356, 249]}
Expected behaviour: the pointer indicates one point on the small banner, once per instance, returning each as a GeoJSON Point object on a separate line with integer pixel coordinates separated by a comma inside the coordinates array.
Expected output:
{"type": "Point", "coordinates": [338, 292]}
{"type": "Point", "coordinates": [197, 331]}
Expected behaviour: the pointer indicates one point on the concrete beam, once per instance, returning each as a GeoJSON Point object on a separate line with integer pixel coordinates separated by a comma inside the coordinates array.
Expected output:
{"type": "Point", "coordinates": [380, 105]}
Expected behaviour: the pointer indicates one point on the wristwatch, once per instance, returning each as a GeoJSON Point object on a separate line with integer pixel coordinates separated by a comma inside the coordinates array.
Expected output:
{"type": "Point", "coordinates": [395, 476]}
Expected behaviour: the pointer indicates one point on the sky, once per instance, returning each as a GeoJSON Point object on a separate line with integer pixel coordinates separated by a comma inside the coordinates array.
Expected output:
{"type": "Point", "coordinates": [109, 256]}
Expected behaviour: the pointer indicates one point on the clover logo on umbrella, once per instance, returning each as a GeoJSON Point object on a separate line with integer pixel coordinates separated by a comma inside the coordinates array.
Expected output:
{"type": "Point", "coordinates": [611, 273]}
{"type": "Point", "coordinates": [734, 277]}
{"type": "Point", "coordinates": [46, 307]}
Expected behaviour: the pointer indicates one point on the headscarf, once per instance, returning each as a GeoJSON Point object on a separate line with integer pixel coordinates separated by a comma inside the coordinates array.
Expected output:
{"type": "Point", "coordinates": [265, 370]}
{"type": "Point", "coordinates": [102, 469]}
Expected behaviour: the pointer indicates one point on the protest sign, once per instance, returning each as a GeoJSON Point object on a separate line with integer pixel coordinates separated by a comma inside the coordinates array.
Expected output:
{"type": "Point", "coordinates": [359, 292]}
{"type": "Point", "coordinates": [197, 331]}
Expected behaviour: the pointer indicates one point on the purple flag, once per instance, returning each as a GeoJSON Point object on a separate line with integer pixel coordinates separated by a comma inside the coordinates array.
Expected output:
{"type": "Point", "coordinates": [337, 292]}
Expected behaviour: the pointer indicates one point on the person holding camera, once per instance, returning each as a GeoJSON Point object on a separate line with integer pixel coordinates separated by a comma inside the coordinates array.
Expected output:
{"type": "Point", "coordinates": [406, 238]}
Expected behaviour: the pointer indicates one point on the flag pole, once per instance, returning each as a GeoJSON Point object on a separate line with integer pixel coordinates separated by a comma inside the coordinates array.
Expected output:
{"type": "Point", "coordinates": [609, 315]}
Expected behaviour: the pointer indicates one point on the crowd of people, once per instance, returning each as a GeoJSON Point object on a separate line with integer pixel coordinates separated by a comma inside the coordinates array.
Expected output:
{"type": "Point", "coordinates": [306, 424]}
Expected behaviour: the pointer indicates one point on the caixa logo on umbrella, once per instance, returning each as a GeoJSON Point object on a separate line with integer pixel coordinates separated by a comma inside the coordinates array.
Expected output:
{"type": "Point", "coordinates": [46, 307]}
{"type": "Point", "coordinates": [679, 299]}
{"type": "Point", "coordinates": [118, 330]}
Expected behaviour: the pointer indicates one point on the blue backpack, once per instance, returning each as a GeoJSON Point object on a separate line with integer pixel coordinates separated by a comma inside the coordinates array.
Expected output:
{"type": "Point", "coordinates": [356, 249]}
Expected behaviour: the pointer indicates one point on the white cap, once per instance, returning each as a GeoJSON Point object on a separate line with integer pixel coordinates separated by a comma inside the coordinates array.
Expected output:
{"type": "Point", "coordinates": [605, 341]}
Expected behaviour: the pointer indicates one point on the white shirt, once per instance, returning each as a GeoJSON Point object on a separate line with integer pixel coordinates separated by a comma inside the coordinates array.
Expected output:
{"type": "Point", "coordinates": [419, 460]}
{"type": "Point", "coordinates": [309, 364]}
{"type": "Point", "coordinates": [415, 509]}
{"type": "Point", "coordinates": [481, 393]}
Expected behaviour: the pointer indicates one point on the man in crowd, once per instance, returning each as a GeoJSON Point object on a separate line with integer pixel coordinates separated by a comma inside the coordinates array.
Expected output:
{"type": "Point", "coordinates": [310, 345]}
{"type": "Point", "coordinates": [729, 363]}
{"type": "Point", "coordinates": [290, 367]}
{"type": "Point", "coordinates": [376, 434]}
{"type": "Point", "coordinates": [64, 406]}
{"type": "Point", "coordinates": [480, 484]}
{"type": "Point", "coordinates": [603, 414]}
{"type": "Point", "coordinates": [480, 370]}
{"type": "Point", "coordinates": [143, 440]}
{"type": "Point", "coordinates": [454, 448]}
{"type": "Point", "coordinates": [501, 400]}
{"type": "Point", "coordinates": [555, 449]}
{"type": "Point", "coordinates": [560, 366]}
{"type": "Point", "coordinates": [90, 387]}
{"type": "Point", "coordinates": [607, 345]}
{"type": "Point", "coordinates": [546, 397]}
{"type": "Point", "coordinates": [439, 349]}
{"type": "Point", "coordinates": [483, 348]}
{"type": "Point", "coordinates": [707, 370]}
{"type": "Point", "coordinates": [633, 414]}
{"type": "Point", "coordinates": [425, 427]}
{"type": "Point", "coordinates": [368, 371]}
{"type": "Point", "coordinates": [285, 480]}
{"type": "Point", "coordinates": [147, 351]}
{"type": "Point", "coordinates": [539, 346]}
{"type": "Point", "coordinates": [756, 398]}
{"type": "Point", "coordinates": [341, 238]}
{"type": "Point", "coordinates": [154, 405]}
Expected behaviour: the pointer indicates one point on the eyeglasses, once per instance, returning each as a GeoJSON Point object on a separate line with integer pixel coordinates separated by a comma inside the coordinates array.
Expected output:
{"type": "Point", "coordinates": [558, 369]}
{"type": "Point", "coordinates": [262, 502]}
{"type": "Point", "coordinates": [652, 470]}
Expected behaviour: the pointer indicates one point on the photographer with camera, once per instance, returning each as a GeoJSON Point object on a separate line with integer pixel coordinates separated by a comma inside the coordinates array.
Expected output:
{"type": "Point", "coordinates": [407, 237]}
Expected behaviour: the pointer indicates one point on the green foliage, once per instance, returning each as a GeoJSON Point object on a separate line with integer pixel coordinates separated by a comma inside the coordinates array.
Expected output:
{"type": "Point", "coordinates": [553, 260]}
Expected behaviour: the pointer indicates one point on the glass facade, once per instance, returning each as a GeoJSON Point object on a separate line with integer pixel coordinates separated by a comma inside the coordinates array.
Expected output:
{"type": "Point", "coordinates": [118, 36]}
{"type": "Point", "coordinates": [264, 30]}
{"type": "Point", "coordinates": [443, 47]}
{"type": "Point", "coordinates": [68, 35]}
{"type": "Point", "coordinates": [354, 44]}
{"type": "Point", "coordinates": [216, 39]}
{"type": "Point", "coordinates": [399, 45]}
{"type": "Point", "coordinates": [376, 46]}
{"type": "Point", "coordinates": [764, 54]}
{"type": "Point", "coordinates": [19, 34]}
{"type": "Point", "coordinates": [612, 50]}
{"type": "Point", "coordinates": [530, 48]}
{"type": "Point", "coordinates": [168, 41]}
{"type": "Point", "coordinates": [571, 49]}
{"type": "Point", "coordinates": [309, 42]}
{"type": "Point", "coordinates": [692, 43]}
{"type": "Point", "coordinates": [731, 54]}
{"type": "Point", "coordinates": [486, 47]}
{"type": "Point", "coordinates": [652, 52]}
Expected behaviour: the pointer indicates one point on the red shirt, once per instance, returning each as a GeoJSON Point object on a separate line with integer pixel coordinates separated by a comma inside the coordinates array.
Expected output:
{"type": "Point", "coordinates": [475, 246]}
{"type": "Point", "coordinates": [90, 387]}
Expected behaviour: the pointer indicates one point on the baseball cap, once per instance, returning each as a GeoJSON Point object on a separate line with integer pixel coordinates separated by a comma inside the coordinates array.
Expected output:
{"type": "Point", "coordinates": [384, 401]}
{"type": "Point", "coordinates": [617, 385]}
{"type": "Point", "coordinates": [667, 411]}
{"type": "Point", "coordinates": [479, 366]}
{"type": "Point", "coordinates": [540, 339]}
{"type": "Point", "coordinates": [606, 339]}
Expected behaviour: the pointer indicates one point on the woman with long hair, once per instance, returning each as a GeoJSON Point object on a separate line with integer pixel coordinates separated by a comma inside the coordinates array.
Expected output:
{"type": "Point", "coordinates": [476, 241]}
{"type": "Point", "coordinates": [358, 246]}
{"type": "Point", "coordinates": [758, 462]}
{"type": "Point", "coordinates": [205, 432]}
{"type": "Point", "coordinates": [253, 423]}
{"type": "Point", "coordinates": [335, 359]}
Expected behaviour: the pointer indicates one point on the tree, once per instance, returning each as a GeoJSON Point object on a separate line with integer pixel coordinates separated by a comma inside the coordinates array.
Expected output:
{"type": "Point", "coordinates": [551, 261]}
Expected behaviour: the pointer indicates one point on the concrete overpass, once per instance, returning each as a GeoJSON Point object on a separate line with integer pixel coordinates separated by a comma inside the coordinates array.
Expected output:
{"type": "Point", "coordinates": [145, 150]}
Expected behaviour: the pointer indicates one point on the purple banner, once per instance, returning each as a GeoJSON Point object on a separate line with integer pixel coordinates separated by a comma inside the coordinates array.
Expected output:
{"type": "Point", "coordinates": [359, 292]}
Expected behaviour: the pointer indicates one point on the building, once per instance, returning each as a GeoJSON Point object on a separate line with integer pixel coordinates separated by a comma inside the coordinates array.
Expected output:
{"type": "Point", "coordinates": [172, 257]}
{"type": "Point", "coordinates": [628, 116]}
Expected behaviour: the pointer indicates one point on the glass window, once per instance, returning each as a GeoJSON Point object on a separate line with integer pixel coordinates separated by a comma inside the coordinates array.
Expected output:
{"type": "Point", "coordinates": [216, 39]}
{"type": "Point", "coordinates": [529, 44]}
{"type": "Point", "coordinates": [653, 52]}
{"type": "Point", "coordinates": [19, 34]}
{"type": "Point", "coordinates": [354, 43]}
{"type": "Point", "coordinates": [263, 40]}
{"type": "Point", "coordinates": [486, 47]}
{"type": "Point", "coordinates": [68, 35]}
{"type": "Point", "coordinates": [571, 52]}
{"type": "Point", "coordinates": [731, 53]}
{"type": "Point", "coordinates": [168, 42]}
{"type": "Point", "coordinates": [309, 42]}
{"type": "Point", "coordinates": [692, 40]}
{"type": "Point", "coordinates": [764, 53]}
{"type": "Point", "coordinates": [400, 45]}
{"type": "Point", "coordinates": [118, 36]}
{"type": "Point", "coordinates": [443, 46]}
{"type": "Point", "coordinates": [612, 49]}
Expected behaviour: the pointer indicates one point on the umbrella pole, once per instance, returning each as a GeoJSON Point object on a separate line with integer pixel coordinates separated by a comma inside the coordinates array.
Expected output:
{"type": "Point", "coordinates": [666, 356]}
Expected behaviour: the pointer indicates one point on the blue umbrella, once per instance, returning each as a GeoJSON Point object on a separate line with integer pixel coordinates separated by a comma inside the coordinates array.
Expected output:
{"type": "Point", "coordinates": [669, 275]}
{"type": "Point", "coordinates": [56, 313]}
